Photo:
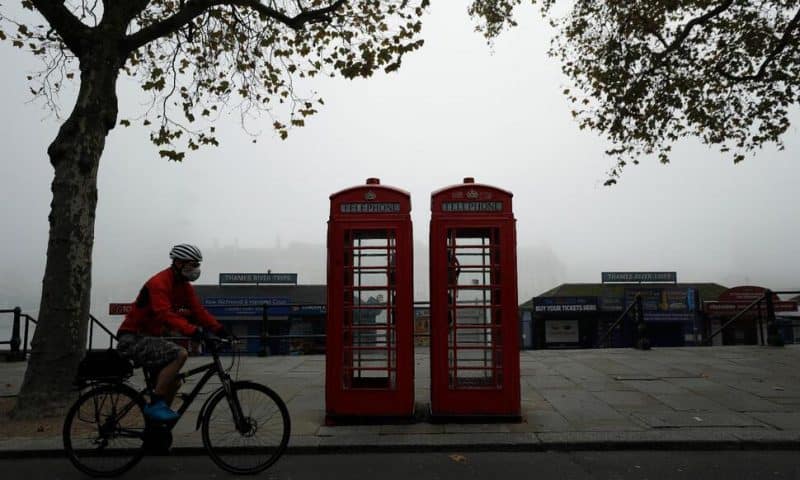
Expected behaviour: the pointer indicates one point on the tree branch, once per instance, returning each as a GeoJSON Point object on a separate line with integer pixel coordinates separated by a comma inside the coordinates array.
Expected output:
{"type": "Point", "coordinates": [658, 57]}
{"type": "Point", "coordinates": [71, 30]}
{"type": "Point", "coordinates": [776, 50]}
{"type": "Point", "coordinates": [193, 8]}
{"type": "Point", "coordinates": [702, 19]}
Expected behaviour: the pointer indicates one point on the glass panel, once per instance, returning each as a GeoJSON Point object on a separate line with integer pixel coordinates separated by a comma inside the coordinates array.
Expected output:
{"type": "Point", "coordinates": [473, 293]}
{"type": "Point", "coordinates": [369, 338]}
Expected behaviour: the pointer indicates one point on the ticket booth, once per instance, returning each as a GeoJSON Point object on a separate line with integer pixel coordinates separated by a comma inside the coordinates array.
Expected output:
{"type": "Point", "coordinates": [369, 356]}
{"type": "Point", "coordinates": [473, 288]}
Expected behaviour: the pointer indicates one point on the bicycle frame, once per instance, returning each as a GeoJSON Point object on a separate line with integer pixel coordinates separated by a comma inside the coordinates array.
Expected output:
{"type": "Point", "coordinates": [212, 368]}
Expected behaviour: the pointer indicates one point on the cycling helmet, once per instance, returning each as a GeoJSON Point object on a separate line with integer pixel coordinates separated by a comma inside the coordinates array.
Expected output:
{"type": "Point", "coordinates": [184, 251]}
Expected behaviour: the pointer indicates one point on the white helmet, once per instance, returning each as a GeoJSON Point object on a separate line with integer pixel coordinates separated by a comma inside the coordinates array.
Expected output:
{"type": "Point", "coordinates": [184, 251]}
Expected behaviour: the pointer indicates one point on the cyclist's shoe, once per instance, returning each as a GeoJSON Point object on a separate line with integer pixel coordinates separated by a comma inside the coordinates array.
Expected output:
{"type": "Point", "coordinates": [160, 412]}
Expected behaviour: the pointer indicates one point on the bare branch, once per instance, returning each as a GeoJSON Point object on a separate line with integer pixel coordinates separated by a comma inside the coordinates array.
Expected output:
{"type": "Point", "coordinates": [193, 8]}
{"type": "Point", "coordinates": [68, 27]}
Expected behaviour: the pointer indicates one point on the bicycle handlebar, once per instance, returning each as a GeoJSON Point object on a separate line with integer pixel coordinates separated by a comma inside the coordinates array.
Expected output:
{"type": "Point", "coordinates": [214, 339]}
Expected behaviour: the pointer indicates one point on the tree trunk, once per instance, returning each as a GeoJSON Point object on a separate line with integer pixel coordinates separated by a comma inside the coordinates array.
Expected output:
{"type": "Point", "coordinates": [60, 338]}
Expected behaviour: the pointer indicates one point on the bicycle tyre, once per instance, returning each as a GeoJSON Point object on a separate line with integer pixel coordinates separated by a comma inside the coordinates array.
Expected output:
{"type": "Point", "coordinates": [87, 412]}
{"type": "Point", "coordinates": [219, 413]}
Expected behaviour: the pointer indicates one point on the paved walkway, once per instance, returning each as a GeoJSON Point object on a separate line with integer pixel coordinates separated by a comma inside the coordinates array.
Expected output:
{"type": "Point", "coordinates": [683, 398]}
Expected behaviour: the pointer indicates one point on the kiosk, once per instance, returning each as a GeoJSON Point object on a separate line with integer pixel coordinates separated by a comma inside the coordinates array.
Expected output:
{"type": "Point", "coordinates": [369, 359]}
{"type": "Point", "coordinates": [473, 288]}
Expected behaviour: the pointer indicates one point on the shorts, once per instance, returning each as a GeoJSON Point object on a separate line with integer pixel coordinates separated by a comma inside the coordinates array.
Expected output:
{"type": "Point", "coordinates": [148, 352]}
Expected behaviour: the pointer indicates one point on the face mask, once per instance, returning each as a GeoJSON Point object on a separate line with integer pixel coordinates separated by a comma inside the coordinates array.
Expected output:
{"type": "Point", "coordinates": [190, 274]}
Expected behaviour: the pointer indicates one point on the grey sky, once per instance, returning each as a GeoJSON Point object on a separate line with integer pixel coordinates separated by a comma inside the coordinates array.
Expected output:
{"type": "Point", "coordinates": [456, 108]}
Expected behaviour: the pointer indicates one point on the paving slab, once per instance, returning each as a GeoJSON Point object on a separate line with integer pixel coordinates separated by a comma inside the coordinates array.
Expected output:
{"type": "Point", "coordinates": [629, 400]}
{"type": "Point", "coordinates": [689, 401]}
{"type": "Point", "coordinates": [696, 420]}
{"type": "Point", "coordinates": [584, 411]}
{"type": "Point", "coordinates": [779, 420]}
{"type": "Point", "coordinates": [544, 421]}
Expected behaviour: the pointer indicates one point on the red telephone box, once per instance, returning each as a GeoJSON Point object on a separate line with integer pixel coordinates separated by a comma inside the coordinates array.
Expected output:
{"type": "Point", "coordinates": [473, 288]}
{"type": "Point", "coordinates": [370, 353]}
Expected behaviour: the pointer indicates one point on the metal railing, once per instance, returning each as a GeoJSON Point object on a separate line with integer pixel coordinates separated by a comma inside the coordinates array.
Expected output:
{"type": "Point", "coordinates": [18, 344]}
{"type": "Point", "coordinates": [773, 337]}
{"type": "Point", "coordinates": [111, 337]}
{"type": "Point", "coordinates": [641, 340]}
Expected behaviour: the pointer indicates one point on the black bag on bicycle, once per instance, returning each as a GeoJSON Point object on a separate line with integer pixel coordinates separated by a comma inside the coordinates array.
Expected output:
{"type": "Point", "coordinates": [106, 366]}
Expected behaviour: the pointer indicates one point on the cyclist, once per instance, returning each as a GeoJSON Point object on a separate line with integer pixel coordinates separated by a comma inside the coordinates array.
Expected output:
{"type": "Point", "coordinates": [167, 302]}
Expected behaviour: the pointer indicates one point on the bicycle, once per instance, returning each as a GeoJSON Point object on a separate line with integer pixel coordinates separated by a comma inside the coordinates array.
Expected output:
{"type": "Point", "coordinates": [106, 432]}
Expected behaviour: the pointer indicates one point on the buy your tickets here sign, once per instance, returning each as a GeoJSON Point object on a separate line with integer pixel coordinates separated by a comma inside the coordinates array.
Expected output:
{"type": "Point", "coordinates": [565, 304]}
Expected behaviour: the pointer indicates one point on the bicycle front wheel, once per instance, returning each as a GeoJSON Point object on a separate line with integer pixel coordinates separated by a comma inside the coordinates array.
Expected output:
{"type": "Point", "coordinates": [104, 430]}
{"type": "Point", "coordinates": [259, 441]}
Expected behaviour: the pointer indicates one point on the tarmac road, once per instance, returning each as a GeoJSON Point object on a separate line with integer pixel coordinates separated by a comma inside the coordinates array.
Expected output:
{"type": "Point", "coordinates": [616, 465]}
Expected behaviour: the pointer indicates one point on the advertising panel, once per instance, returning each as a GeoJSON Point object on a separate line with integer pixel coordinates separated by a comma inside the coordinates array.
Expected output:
{"type": "Point", "coordinates": [665, 304]}
{"type": "Point", "coordinates": [561, 331]}
{"type": "Point", "coordinates": [612, 304]}
{"type": "Point", "coordinates": [422, 318]}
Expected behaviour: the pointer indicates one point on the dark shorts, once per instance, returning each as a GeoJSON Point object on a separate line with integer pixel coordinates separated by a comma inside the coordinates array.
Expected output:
{"type": "Point", "coordinates": [147, 352]}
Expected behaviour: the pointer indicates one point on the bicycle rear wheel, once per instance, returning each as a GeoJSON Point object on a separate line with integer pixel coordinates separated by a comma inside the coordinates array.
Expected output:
{"type": "Point", "coordinates": [104, 430]}
{"type": "Point", "coordinates": [259, 445]}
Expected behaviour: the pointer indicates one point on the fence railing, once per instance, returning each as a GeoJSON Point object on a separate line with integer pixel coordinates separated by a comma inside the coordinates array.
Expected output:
{"type": "Point", "coordinates": [18, 343]}
{"type": "Point", "coordinates": [94, 321]}
{"type": "Point", "coordinates": [639, 334]}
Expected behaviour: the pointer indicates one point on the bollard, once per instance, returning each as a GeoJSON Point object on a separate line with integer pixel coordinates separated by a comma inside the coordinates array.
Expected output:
{"type": "Point", "coordinates": [15, 342]}
{"type": "Point", "coordinates": [262, 352]}
{"type": "Point", "coordinates": [642, 340]}
{"type": "Point", "coordinates": [773, 337]}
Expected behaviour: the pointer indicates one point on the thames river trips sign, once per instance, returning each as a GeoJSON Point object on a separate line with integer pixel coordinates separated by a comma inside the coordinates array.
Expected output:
{"type": "Point", "coordinates": [634, 277]}
{"type": "Point", "coordinates": [284, 278]}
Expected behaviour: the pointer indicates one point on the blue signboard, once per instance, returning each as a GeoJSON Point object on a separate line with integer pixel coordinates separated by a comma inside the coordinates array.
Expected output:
{"type": "Point", "coordinates": [631, 277]}
{"type": "Point", "coordinates": [283, 278]}
{"type": "Point", "coordinates": [245, 306]}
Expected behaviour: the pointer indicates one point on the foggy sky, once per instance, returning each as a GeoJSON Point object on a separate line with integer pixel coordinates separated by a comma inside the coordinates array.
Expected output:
{"type": "Point", "coordinates": [456, 108]}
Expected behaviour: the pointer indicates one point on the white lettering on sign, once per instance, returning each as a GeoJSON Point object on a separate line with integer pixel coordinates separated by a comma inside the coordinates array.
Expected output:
{"type": "Point", "coordinates": [257, 278]}
{"type": "Point", "coordinates": [370, 207]}
{"type": "Point", "coordinates": [472, 206]}
{"type": "Point", "coordinates": [566, 308]}
{"type": "Point", "coordinates": [639, 277]}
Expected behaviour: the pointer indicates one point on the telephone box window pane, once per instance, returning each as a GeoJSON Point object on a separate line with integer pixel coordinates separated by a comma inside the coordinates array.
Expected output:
{"type": "Point", "coordinates": [369, 336]}
{"type": "Point", "coordinates": [475, 336]}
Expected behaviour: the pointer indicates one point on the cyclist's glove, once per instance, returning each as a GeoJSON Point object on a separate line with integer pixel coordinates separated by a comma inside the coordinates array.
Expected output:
{"type": "Point", "coordinates": [223, 332]}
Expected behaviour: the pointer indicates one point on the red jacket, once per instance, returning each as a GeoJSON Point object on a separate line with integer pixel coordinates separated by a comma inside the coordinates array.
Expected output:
{"type": "Point", "coordinates": [167, 303]}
